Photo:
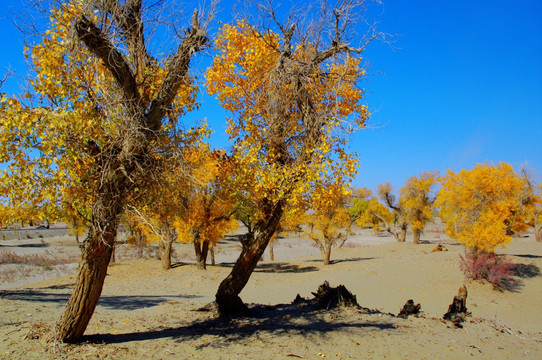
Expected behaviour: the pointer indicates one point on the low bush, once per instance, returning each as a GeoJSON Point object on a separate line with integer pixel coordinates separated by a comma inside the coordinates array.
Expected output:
{"type": "Point", "coordinates": [9, 257]}
{"type": "Point", "coordinates": [490, 267]}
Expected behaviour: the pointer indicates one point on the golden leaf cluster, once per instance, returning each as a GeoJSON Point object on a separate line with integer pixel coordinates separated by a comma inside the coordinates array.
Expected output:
{"type": "Point", "coordinates": [482, 207]}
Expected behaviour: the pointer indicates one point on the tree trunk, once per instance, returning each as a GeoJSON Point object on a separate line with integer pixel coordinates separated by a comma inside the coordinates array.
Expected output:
{"type": "Point", "coordinates": [166, 254]}
{"type": "Point", "coordinates": [400, 235]}
{"type": "Point", "coordinates": [95, 256]}
{"type": "Point", "coordinates": [212, 251]}
{"type": "Point", "coordinates": [327, 254]}
{"type": "Point", "coordinates": [538, 232]}
{"type": "Point", "coordinates": [416, 234]}
{"type": "Point", "coordinates": [198, 250]}
{"type": "Point", "coordinates": [204, 253]}
{"type": "Point", "coordinates": [227, 296]}
{"type": "Point", "coordinates": [113, 252]}
{"type": "Point", "coordinates": [271, 252]}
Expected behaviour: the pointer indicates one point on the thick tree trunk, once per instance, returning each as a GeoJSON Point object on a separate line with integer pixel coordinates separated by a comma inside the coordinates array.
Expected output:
{"type": "Point", "coordinates": [227, 297]}
{"type": "Point", "coordinates": [95, 256]}
{"type": "Point", "coordinates": [538, 232]}
{"type": "Point", "coordinates": [416, 234]}
{"type": "Point", "coordinates": [166, 254]}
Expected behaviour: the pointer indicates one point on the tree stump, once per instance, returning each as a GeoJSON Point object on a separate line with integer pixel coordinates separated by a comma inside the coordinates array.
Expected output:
{"type": "Point", "coordinates": [328, 297]}
{"type": "Point", "coordinates": [409, 309]}
{"type": "Point", "coordinates": [457, 311]}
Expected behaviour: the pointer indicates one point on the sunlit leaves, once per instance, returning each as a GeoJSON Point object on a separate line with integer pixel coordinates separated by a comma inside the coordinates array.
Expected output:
{"type": "Point", "coordinates": [52, 136]}
{"type": "Point", "coordinates": [481, 207]}
{"type": "Point", "coordinates": [278, 152]}
{"type": "Point", "coordinates": [417, 199]}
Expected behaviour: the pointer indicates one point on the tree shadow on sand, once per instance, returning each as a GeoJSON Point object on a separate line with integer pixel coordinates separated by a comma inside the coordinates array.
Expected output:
{"type": "Point", "coordinates": [338, 261]}
{"type": "Point", "coordinates": [277, 267]}
{"type": "Point", "coordinates": [277, 320]}
{"type": "Point", "coordinates": [111, 302]}
{"type": "Point", "coordinates": [519, 272]}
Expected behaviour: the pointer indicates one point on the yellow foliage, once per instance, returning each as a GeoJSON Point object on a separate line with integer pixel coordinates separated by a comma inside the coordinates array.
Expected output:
{"type": "Point", "coordinates": [277, 156]}
{"type": "Point", "coordinates": [74, 106]}
{"type": "Point", "coordinates": [375, 215]}
{"type": "Point", "coordinates": [416, 199]}
{"type": "Point", "coordinates": [482, 207]}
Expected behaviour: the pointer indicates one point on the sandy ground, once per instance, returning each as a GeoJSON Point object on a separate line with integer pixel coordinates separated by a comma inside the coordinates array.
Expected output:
{"type": "Point", "coordinates": [145, 312]}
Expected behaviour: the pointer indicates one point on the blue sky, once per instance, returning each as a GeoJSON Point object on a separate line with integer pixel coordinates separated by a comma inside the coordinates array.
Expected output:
{"type": "Point", "coordinates": [460, 84]}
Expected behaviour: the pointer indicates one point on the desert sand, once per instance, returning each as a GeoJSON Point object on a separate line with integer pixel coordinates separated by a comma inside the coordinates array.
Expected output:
{"type": "Point", "coordinates": [148, 313]}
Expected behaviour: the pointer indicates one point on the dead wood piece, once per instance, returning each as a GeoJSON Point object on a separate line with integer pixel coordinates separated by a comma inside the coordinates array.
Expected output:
{"type": "Point", "coordinates": [329, 297]}
{"type": "Point", "coordinates": [457, 311]}
{"type": "Point", "coordinates": [300, 300]}
{"type": "Point", "coordinates": [439, 247]}
{"type": "Point", "coordinates": [409, 309]}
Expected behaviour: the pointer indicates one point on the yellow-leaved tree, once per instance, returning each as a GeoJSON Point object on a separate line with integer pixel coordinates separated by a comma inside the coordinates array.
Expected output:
{"type": "Point", "coordinates": [376, 215]}
{"type": "Point", "coordinates": [208, 208]}
{"type": "Point", "coordinates": [327, 222]}
{"type": "Point", "coordinates": [482, 207]}
{"type": "Point", "coordinates": [416, 200]}
{"type": "Point", "coordinates": [157, 207]}
{"type": "Point", "coordinates": [102, 100]}
{"type": "Point", "coordinates": [396, 224]}
{"type": "Point", "coordinates": [293, 93]}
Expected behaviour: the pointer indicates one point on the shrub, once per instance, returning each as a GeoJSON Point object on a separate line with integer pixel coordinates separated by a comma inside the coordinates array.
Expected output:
{"type": "Point", "coordinates": [488, 266]}
{"type": "Point", "coordinates": [9, 257]}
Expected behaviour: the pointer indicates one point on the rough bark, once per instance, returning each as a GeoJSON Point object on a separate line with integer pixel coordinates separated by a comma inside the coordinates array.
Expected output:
{"type": "Point", "coordinates": [95, 256]}
{"type": "Point", "coordinates": [227, 297]}
{"type": "Point", "coordinates": [538, 232]}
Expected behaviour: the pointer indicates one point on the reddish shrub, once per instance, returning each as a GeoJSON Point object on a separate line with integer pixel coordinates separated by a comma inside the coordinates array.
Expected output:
{"type": "Point", "coordinates": [488, 266]}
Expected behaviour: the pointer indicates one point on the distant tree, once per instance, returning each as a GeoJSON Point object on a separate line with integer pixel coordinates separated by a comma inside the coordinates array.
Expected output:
{"type": "Point", "coordinates": [482, 207]}
{"type": "Point", "coordinates": [377, 216]}
{"type": "Point", "coordinates": [327, 222]}
{"type": "Point", "coordinates": [358, 202]}
{"type": "Point", "coordinates": [208, 207]}
{"type": "Point", "coordinates": [416, 200]}
{"type": "Point", "coordinates": [532, 203]}
{"type": "Point", "coordinates": [398, 225]}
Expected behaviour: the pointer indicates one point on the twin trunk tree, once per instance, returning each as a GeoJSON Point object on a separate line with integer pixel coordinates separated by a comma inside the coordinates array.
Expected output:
{"type": "Point", "coordinates": [125, 156]}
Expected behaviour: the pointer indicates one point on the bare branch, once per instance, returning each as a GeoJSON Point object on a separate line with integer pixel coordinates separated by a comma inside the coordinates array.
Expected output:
{"type": "Point", "coordinates": [196, 38]}
{"type": "Point", "coordinates": [114, 61]}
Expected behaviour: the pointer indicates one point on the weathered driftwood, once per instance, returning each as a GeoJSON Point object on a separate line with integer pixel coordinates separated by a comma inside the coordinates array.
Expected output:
{"type": "Point", "coordinates": [409, 309]}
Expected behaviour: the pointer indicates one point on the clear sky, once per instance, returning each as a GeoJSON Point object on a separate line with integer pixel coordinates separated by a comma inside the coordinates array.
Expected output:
{"type": "Point", "coordinates": [460, 84]}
